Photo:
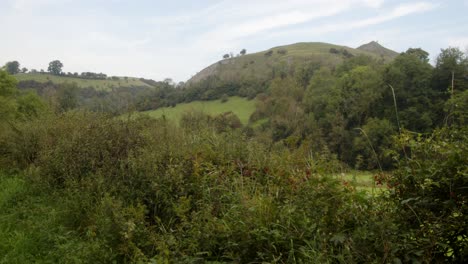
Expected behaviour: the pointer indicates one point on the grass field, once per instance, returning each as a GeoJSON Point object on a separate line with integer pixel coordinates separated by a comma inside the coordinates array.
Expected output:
{"type": "Point", "coordinates": [83, 83]}
{"type": "Point", "coordinates": [242, 107]}
{"type": "Point", "coordinates": [361, 180]}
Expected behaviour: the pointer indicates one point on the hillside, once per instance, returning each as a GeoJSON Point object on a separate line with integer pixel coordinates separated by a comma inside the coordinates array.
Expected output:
{"type": "Point", "coordinates": [376, 48]}
{"type": "Point", "coordinates": [260, 65]}
{"type": "Point", "coordinates": [83, 83]}
{"type": "Point", "coordinates": [242, 107]}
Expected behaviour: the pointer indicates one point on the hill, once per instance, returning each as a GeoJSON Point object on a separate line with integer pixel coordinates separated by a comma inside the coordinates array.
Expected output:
{"type": "Point", "coordinates": [260, 65]}
{"type": "Point", "coordinates": [242, 107]}
{"type": "Point", "coordinates": [376, 48]}
{"type": "Point", "coordinates": [106, 84]}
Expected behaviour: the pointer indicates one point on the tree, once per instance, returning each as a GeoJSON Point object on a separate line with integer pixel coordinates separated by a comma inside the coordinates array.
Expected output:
{"type": "Point", "coordinates": [374, 140]}
{"type": "Point", "coordinates": [7, 93]}
{"type": "Point", "coordinates": [30, 105]}
{"type": "Point", "coordinates": [7, 84]}
{"type": "Point", "coordinates": [409, 75]}
{"type": "Point", "coordinates": [12, 67]}
{"type": "Point", "coordinates": [420, 53]}
{"type": "Point", "coordinates": [24, 70]}
{"type": "Point", "coordinates": [67, 97]}
{"type": "Point", "coordinates": [243, 52]}
{"type": "Point", "coordinates": [55, 67]}
{"type": "Point", "coordinates": [450, 71]}
{"type": "Point", "coordinates": [226, 56]}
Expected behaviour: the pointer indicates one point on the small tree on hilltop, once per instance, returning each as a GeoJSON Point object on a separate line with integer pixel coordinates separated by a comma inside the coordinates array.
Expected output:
{"type": "Point", "coordinates": [55, 67]}
{"type": "Point", "coordinates": [226, 56]}
{"type": "Point", "coordinates": [243, 52]}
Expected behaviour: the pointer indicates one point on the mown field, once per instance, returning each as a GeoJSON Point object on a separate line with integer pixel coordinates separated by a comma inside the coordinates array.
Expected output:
{"type": "Point", "coordinates": [83, 83]}
{"type": "Point", "coordinates": [242, 107]}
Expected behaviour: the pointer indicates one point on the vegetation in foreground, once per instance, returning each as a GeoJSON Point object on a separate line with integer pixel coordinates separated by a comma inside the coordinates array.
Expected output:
{"type": "Point", "coordinates": [95, 189]}
{"type": "Point", "coordinates": [81, 186]}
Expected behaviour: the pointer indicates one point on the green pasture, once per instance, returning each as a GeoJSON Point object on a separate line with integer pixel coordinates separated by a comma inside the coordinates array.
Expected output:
{"type": "Point", "coordinates": [107, 84]}
{"type": "Point", "coordinates": [242, 107]}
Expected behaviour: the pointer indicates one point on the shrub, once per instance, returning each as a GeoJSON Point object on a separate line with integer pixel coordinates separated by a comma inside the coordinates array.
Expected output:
{"type": "Point", "coordinates": [431, 194]}
{"type": "Point", "coordinates": [224, 98]}
{"type": "Point", "coordinates": [334, 51]}
{"type": "Point", "coordinates": [268, 53]}
{"type": "Point", "coordinates": [282, 51]}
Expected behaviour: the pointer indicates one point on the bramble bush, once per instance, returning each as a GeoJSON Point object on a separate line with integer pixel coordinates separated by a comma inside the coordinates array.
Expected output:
{"type": "Point", "coordinates": [142, 189]}
{"type": "Point", "coordinates": [431, 194]}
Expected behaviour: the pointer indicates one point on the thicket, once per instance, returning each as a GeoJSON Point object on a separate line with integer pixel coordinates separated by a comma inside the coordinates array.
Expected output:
{"type": "Point", "coordinates": [106, 189]}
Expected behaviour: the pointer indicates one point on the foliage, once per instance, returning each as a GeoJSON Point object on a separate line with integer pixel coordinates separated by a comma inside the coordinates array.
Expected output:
{"type": "Point", "coordinates": [137, 190]}
{"type": "Point", "coordinates": [55, 67]}
{"type": "Point", "coordinates": [431, 194]}
{"type": "Point", "coordinates": [410, 75]}
{"type": "Point", "coordinates": [451, 62]}
{"type": "Point", "coordinates": [79, 184]}
{"type": "Point", "coordinates": [12, 67]}
{"type": "Point", "coordinates": [67, 97]}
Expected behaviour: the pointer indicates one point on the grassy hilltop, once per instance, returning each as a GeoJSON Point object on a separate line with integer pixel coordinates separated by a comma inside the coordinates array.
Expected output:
{"type": "Point", "coordinates": [106, 84]}
{"type": "Point", "coordinates": [261, 64]}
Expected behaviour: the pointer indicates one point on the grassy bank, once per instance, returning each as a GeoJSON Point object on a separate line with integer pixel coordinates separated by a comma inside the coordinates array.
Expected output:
{"type": "Point", "coordinates": [83, 83]}
{"type": "Point", "coordinates": [242, 107]}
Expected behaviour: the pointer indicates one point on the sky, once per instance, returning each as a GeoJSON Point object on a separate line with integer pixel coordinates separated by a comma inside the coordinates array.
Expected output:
{"type": "Point", "coordinates": [161, 39]}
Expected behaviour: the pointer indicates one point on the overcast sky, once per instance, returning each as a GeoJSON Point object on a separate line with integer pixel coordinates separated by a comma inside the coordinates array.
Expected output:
{"type": "Point", "coordinates": [176, 39]}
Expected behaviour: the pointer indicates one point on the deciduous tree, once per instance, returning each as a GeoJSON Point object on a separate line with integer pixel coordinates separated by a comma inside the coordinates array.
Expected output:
{"type": "Point", "coordinates": [55, 67]}
{"type": "Point", "coordinates": [12, 67]}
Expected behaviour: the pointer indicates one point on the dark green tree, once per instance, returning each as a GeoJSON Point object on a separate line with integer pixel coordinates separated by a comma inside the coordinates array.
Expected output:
{"type": "Point", "coordinates": [7, 104]}
{"type": "Point", "coordinates": [67, 97]}
{"type": "Point", "coordinates": [55, 67]}
{"type": "Point", "coordinates": [451, 71]}
{"type": "Point", "coordinates": [410, 75]}
{"type": "Point", "coordinates": [12, 67]}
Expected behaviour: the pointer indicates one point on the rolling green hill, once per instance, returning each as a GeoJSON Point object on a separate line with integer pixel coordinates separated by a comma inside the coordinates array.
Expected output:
{"type": "Point", "coordinates": [83, 83]}
{"type": "Point", "coordinates": [261, 64]}
{"type": "Point", "coordinates": [242, 107]}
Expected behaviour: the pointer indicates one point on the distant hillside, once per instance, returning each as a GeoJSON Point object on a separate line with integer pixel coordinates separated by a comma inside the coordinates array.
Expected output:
{"type": "Point", "coordinates": [376, 48]}
{"type": "Point", "coordinates": [106, 84]}
{"type": "Point", "coordinates": [260, 65]}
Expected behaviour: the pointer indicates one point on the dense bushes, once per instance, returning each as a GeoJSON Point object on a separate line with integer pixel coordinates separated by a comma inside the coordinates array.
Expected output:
{"type": "Point", "coordinates": [131, 190]}
{"type": "Point", "coordinates": [143, 189]}
{"type": "Point", "coordinates": [431, 194]}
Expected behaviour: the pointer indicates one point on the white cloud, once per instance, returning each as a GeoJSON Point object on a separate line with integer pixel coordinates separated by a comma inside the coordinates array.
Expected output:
{"type": "Point", "coordinates": [177, 44]}
{"type": "Point", "coordinates": [397, 12]}
{"type": "Point", "coordinates": [30, 5]}
{"type": "Point", "coordinates": [374, 3]}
